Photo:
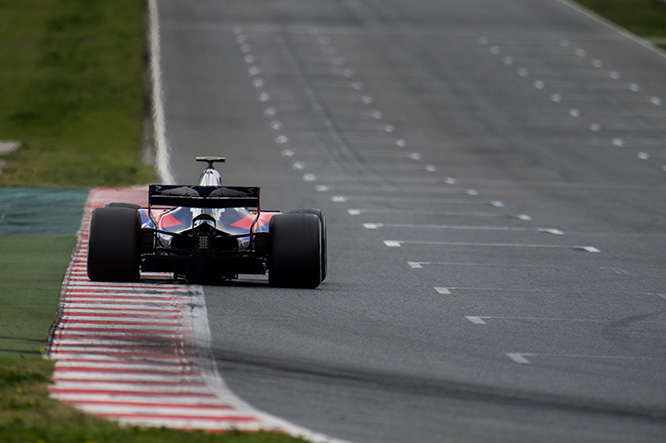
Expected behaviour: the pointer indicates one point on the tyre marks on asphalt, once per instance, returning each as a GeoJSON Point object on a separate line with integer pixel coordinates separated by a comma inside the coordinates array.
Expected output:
{"type": "Point", "coordinates": [402, 193]}
{"type": "Point", "coordinates": [319, 66]}
{"type": "Point", "coordinates": [648, 107]}
{"type": "Point", "coordinates": [382, 209]}
{"type": "Point", "coordinates": [613, 106]}
{"type": "Point", "coordinates": [265, 99]}
{"type": "Point", "coordinates": [136, 352]}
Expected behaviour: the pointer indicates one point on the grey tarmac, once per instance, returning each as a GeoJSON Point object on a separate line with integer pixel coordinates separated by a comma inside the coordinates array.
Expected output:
{"type": "Point", "coordinates": [424, 113]}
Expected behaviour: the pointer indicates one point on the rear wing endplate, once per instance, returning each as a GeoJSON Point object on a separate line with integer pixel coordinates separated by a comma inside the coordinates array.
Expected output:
{"type": "Point", "coordinates": [204, 196]}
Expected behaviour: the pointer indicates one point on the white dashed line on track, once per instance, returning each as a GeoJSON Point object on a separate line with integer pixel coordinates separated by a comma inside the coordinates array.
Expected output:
{"type": "Point", "coordinates": [482, 320]}
{"type": "Point", "coordinates": [360, 211]}
{"type": "Point", "coordinates": [522, 357]}
{"type": "Point", "coordinates": [400, 243]}
{"type": "Point", "coordinates": [463, 227]}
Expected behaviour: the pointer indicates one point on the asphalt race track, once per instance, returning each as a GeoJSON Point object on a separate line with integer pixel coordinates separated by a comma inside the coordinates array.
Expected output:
{"type": "Point", "coordinates": [493, 173]}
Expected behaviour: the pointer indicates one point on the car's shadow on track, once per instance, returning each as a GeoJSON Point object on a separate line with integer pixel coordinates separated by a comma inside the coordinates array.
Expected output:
{"type": "Point", "coordinates": [244, 281]}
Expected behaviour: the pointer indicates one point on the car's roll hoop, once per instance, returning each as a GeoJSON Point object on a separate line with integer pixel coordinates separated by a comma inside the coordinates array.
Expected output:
{"type": "Point", "coordinates": [210, 176]}
{"type": "Point", "coordinates": [211, 160]}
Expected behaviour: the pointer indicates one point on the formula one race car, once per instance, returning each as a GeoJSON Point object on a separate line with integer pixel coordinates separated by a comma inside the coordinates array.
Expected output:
{"type": "Point", "coordinates": [205, 234]}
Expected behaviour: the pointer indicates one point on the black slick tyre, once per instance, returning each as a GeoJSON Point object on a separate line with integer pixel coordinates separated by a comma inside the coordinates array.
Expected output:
{"type": "Point", "coordinates": [295, 255]}
{"type": "Point", "coordinates": [113, 245]}
{"type": "Point", "coordinates": [322, 220]}
{"type": "Point", "coordinates": [123, 205]}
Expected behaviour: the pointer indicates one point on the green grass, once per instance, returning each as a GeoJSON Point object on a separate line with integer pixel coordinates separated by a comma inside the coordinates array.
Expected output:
{"type": "Point", "coordinates": [31, 272]}
{"type": "Point", "coordinates": [645, 18]}
{"type": "Point", "coordinates": [28, 414]}
{"type": "Point", "coordinates": [72, 91]}
{"type": "Point", "coordinates": [72, 88]}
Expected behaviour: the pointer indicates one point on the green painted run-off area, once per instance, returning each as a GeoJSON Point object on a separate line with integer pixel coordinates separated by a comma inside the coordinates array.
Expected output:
{"type": "Point", "coordinates": [38, 229]}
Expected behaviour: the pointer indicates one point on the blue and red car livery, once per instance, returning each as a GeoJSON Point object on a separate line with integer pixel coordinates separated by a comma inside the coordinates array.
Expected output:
{"type": "Point", "coordinates": [207, 233]}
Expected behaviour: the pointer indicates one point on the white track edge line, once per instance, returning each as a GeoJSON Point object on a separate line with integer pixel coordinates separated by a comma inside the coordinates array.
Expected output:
{"type": "Point", "coordinates": [159, 126]}
{"type": "Point", "coordinates": [622, 31]}
{"type": "Point", "coordinates": [213, 379]}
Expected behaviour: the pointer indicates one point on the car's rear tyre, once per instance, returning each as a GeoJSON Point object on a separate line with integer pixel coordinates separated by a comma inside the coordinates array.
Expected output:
{"type": "Point", "coordinates": [113, 245]}
{"type": "Point", "coordinates": [322, 220]}
{"type": "Point", "coordinates": [295, 257]}
{"type": "Point", "coordinates": [123, 205]}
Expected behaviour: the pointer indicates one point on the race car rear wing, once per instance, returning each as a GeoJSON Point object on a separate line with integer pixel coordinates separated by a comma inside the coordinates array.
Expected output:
{"type": "Point", "coordinates": [204, 196]}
